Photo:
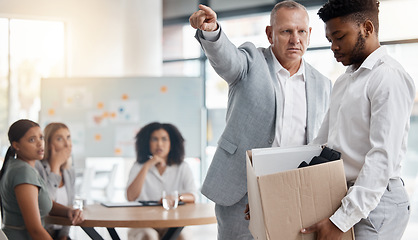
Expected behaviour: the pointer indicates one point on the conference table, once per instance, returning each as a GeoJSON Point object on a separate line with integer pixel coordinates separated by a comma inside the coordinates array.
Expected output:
{"type": "Point", "coordinates": [97, 215]}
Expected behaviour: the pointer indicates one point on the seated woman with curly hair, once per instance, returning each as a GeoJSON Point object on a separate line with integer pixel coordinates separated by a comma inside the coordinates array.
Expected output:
{"type": "Point", "coordinates": [159, 167]}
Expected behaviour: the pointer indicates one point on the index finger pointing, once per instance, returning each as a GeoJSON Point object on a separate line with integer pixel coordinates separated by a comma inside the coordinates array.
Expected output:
{"type": "Point", "coordinates": [209, 12]}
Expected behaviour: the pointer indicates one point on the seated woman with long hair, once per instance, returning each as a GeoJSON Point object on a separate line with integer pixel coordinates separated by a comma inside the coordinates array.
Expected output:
{"type": "Point", "coordinates": [55, 169]}
{"type": "Point", "coordinates": [23, 193]}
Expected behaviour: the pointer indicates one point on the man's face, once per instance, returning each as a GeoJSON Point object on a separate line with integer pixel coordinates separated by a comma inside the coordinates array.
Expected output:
{"type": "Point", "coordinates": [347, 41]}
{"type": "Point", "coordinates": [289, 35]}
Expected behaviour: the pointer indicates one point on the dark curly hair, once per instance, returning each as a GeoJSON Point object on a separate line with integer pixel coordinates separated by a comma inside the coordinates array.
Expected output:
{"type": "Point", "coordinates": [353, 10]}
{"type": "Point", "coordinates": [142, 146]}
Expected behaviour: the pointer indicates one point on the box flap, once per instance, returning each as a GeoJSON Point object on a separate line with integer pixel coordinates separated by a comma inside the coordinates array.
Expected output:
{"type": "Point", "coordinates": [256, 226]}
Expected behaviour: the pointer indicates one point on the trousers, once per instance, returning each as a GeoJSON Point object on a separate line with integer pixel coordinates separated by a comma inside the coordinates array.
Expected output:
{"type": "Point", "coordinates": [390, 218]}
{"type": "Point", "coordinates": [231, 221]}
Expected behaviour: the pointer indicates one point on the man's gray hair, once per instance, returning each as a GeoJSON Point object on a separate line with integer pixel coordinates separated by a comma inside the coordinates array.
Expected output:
{"type": "Point", "coordinates": [290, 4]}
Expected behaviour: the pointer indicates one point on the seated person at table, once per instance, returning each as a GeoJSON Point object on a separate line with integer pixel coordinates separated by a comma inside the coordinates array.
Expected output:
{"type": "Point", "coordinates": [24, 194]}
{"type": "Point", "coordinates": [56, 172]}
{"type": "Point", "coordinates": [159, 167]}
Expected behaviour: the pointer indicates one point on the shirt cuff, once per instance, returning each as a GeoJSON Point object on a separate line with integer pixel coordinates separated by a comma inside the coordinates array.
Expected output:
{"type": "Point", "coordinates": [211, 36]}
{"type": "Point", "coordinates": [343, 221]}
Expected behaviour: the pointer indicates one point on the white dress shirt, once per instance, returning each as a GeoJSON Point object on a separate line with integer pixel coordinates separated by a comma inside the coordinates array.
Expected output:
{"type": "Point", "coordinates": [175, 177]}
{"type": "Point", "coordinates": [368, 122]}
{"type": "Point", "coordinates": [291, 121]}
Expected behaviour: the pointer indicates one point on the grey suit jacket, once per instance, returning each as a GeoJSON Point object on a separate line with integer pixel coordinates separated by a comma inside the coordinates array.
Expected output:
{"type": "Point", "coordinates": [251, 112]}
{"type": "Point", "coordinates": [53, 181]}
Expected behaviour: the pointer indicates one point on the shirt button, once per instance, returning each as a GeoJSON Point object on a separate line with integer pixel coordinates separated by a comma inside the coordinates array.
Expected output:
{"type": "Point", "coordinates": [271, 141]}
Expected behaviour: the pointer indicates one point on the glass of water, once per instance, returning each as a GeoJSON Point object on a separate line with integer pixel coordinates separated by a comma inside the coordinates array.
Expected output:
{"type": "Point", "coordinates": [78, 203]}
{"type": "Point", "coordinates": [170, 199]}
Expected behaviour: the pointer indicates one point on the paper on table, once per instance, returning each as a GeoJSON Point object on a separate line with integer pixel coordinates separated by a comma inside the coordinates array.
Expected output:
{"type": "Point", "coordinates": [279, 159]}
{"type": "Point", "coordinates": [122, 204]}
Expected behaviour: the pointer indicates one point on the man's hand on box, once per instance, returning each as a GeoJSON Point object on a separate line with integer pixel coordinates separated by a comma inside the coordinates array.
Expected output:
{"type": "Point", "coordinates": [325, 230]}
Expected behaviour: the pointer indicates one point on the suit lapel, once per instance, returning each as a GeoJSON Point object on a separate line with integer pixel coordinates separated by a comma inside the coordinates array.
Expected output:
{"type": "Point", "coordinates": [310, 85]}
{"type": "Point", "coordinates": [279, 102]}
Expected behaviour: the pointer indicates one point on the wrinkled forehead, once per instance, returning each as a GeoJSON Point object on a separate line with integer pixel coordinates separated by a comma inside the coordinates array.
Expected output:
{"type": "Point", "coordinates": [291, 19]}
{"type": "Point", "coordinates": [285, 12]}
{"type": "Point", "coordinates": [291, 16]}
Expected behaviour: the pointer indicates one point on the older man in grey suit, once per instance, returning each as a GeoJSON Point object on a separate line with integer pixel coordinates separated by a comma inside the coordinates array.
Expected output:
{"type": "Point", "coordinates": [275, 99]}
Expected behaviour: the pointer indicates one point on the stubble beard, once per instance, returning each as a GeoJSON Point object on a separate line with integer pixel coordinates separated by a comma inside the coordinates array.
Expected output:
{"type": "Point", "coordinates": [357, 57]}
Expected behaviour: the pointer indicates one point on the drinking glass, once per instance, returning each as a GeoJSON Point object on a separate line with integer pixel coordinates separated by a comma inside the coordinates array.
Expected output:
{"type": "Point", "coordinates": [78, 203]}
{"type": "Point", "coordinates": [170, 199]}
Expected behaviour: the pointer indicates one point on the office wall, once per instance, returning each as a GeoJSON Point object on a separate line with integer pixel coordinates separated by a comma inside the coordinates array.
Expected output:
{"type": "Point", "coordinates": [105, 37]}
{"type": "Point", "coordinates": [104, 114]}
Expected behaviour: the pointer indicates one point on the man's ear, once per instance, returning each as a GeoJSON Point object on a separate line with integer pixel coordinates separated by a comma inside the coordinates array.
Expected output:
{"type": "Point", "coordinates": [368, 28]}
{"type": "Point", "coordinates": [269, 32]}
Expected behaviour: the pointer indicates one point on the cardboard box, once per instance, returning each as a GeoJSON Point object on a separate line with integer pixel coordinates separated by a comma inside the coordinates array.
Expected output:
{"type": "Point", "coordinates": [283, 203]}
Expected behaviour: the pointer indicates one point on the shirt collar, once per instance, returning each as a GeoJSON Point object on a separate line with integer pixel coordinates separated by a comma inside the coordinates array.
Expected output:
{"type": "Point", "coordinates": [278, 67]}
{"type": "Point", "coordinates": [370, 61]}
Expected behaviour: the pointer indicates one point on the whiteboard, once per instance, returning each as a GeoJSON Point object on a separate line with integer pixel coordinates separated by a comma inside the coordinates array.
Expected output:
{"type": "Point", "coordinates": [104, 114]}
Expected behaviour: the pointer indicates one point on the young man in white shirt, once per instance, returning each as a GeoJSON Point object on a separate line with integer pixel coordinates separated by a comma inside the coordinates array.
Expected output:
{"type": "Point", "coordinates": [368, 121]}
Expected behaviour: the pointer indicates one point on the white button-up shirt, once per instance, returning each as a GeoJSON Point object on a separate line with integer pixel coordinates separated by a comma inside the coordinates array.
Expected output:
{"type": "Point", "coordinates": [175, 177]}
{"type": "Point", "coordinates": [368, 122]}
{"type": "Point", "coordinates": [291, 121]}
